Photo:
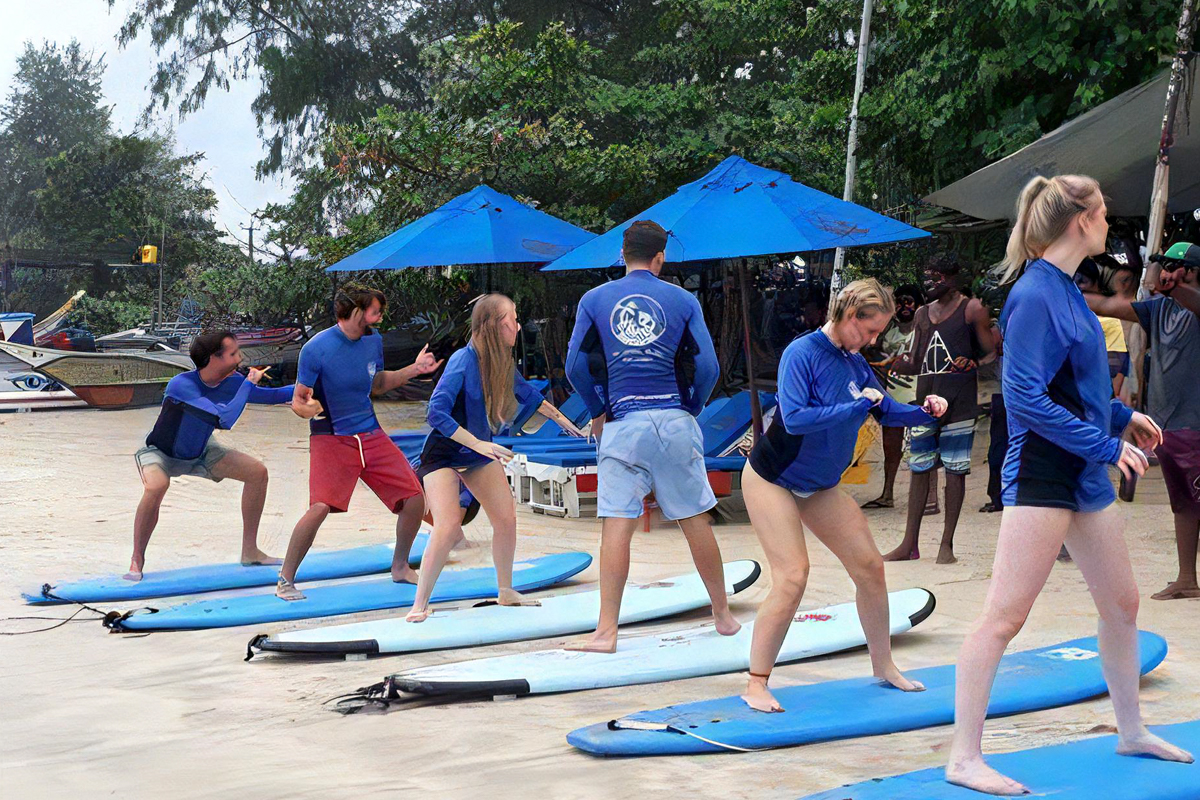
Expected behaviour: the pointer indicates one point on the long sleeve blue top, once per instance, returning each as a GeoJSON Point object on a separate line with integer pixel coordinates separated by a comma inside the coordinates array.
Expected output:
{"type": "Point", "coordinates": [1063, 423]}
{"type": "Point", "coordinates": [640, 343]}
{"type": "Point", "coordinates": [821, 407]}
{"type": "Point", "coordinates": [192, 410]}
{"type": "Point", "coordinates": [458, 401]}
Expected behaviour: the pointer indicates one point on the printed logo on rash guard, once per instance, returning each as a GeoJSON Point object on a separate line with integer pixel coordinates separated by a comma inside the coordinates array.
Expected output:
{"type": "Point", "coordinates": [638, 320]}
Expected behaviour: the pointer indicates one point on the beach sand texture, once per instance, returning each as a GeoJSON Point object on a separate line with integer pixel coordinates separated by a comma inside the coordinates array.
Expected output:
{"type": "Point", "coordinates": [89, 714]}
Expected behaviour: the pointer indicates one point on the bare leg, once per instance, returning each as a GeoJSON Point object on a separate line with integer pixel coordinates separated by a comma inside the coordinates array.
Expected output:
{"type": "Point", "coordinates": [776, 520]}
{"type": "Point", "coordinates": [893, 449]}
{"type": "Point", "coordinates": [1025, 551]}
{"type": "Point", "coordinates": [490, 487]}
{"type": "Point", "coordinates": [836, 520]}
{"type": "Point", "coordinates": [1187, 532]}
{"type": "Point", "coordinates": [1097, 544]}
{"type": "Point", "coordinates": [253, 475]}
{"type": "Point", "coordinates": [615, 538]}
{"type": "Point", "coordinates": [931, 502]}
{"type": "Point", "coordinates": [441, 496]}
{"type": "Point", "coordinates": [956, 490]}
{"type": "Point", "coordinates": [707, 557]}
{"type": "Point", "coordinates": [155, 483]}
{"type": "Point", "coordinates": [909, 547]}
{"type": "Point", "coordinates": [302, 538]}
{"type": "Point", "coordinates": [408, 522]}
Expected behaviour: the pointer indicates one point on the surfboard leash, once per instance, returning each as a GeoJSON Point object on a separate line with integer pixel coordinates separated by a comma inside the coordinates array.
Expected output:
{"type": "Point", "coordinates": [626, 724]}
{"type": "Point", "coordinates": [60, 621]}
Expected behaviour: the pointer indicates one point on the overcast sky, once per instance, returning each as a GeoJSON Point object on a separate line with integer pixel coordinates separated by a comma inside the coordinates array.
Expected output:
{"type": "Point", "coordinates": [223, 130]}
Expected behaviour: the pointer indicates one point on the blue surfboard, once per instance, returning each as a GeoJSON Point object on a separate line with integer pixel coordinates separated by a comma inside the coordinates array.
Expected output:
{"type": "Point", "coordinates": [346, 598]}
{"type": "Point", "coordinates": [1089, 769]}
{"type": "Point", "coordinates": [317, 566]}
{"type": "Point", "coordinates": [1026, 681]}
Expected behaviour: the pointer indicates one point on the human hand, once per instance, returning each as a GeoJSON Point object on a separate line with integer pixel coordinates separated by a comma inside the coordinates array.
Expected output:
{"type": "Point", "coordinates": [1145, 431]}
{"type": "Point", "coordinates": [596, 427]}
{"type": "Point", "coordinates": [307, 409]}
{"type": "Point", "coordinates": [1132, 461]}
{"type": "Point", "coordinates": [962, 364]}
{"type": "Point", "coordinates": [255, 374]}
{"type": "Point", "coordinates": [425, 362]}
{"type": "Point", "coordinates": [935, 406]}
{"type": "Point", "coordinates": [493, 451]}
{"type": "Point", "coordinates": [874, 395]}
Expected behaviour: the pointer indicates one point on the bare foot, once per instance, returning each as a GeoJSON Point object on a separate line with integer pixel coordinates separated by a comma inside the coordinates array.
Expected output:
{"type": "Point", "coordinates": [896, 678]}
{"type": "Point", "coordinates": [759, 697]}
{"type": "Point", "coordinates": [946, 555]}
{"type": "Point", "coordinates": [727, 624]}
{"type": "Point", "coordinates": [1177, 590]}
{"type": "Point", "coordinates": [286, 590]}
{"type": "Point", "coordinates": [258, 559]}
{"type": "Point", "coordinates": [404, 574]}
{"type": "Point", "coordinates": [511, 597]}
{"type": "Point", "coordinates": [1147, 744]}
{"type": "Point", "coordinates": [900, 554]}
{"type": "Point", "coordinates": [134, 574]}
{"type": "Point", "coordinates": [977, 775]}
{"type": "Point", "coordinates": [417, 615]}
{"type": "Point", "coordinates": [596, 643]}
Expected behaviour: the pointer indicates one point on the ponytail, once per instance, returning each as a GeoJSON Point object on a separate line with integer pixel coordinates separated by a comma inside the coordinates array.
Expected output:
{"type": "Point", "coordinates": [1044, 210]}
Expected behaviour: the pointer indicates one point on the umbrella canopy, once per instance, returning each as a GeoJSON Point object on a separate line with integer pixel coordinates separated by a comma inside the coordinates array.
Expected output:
{"type": "Point", "coordinates": [740, 209]}
{"type": "Point", "coordinates": [482, 226]}
{"type": "Point", "coordinates": [1116, 143]}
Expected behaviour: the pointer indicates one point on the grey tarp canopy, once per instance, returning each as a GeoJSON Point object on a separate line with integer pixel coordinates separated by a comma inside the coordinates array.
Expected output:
{"type": "Point", "coordinates": [1115, 143]}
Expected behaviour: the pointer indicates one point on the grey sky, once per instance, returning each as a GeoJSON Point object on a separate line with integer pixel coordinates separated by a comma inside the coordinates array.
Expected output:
{"type": "Point", "coordinates": [223, 130]}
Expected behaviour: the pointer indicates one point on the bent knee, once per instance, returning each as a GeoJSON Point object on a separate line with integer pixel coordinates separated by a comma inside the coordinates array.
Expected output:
{"type": "Point", "coordinates": [1123, 610]}
{"type": "Point", "coordinates": [1001, 625]}
{"type": "Point", "coordinates": [870, 573]}
{"type": "Point", "coordinates": [155, 483]}
{"type": "Point", "coordinates": [257, 473]}
{"type": "Point", "coordinates": [791, 580]}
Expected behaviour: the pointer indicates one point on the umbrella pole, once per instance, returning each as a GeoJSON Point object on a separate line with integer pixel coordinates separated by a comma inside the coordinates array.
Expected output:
{"type": "Point", "coordinates": [755, 405]}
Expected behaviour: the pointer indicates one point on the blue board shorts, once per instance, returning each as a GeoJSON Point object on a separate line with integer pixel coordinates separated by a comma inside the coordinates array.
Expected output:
{"type": "Point", "coordinates": [950, 443]}
{"type": "Point", "coordinates": [660, 450]}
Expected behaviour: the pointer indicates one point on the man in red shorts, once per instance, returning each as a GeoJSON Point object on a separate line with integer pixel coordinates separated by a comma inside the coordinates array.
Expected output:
{"type": "Point", "coordinates": [342, 367]}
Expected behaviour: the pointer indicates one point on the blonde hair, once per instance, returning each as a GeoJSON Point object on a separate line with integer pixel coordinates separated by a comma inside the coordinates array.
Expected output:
{"type": "Point", "coordinates": [1044, 210]}
{"type": "Point", "coordinates": [496, 365]}
{"type": "Point", "coordinates": [864, 298]}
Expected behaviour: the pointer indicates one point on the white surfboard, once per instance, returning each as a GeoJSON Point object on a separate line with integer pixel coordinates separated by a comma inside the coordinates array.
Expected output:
{"type": "Point", "coordinates": [687, 653]}
{"type": "Point", "coordinates": [472, 626]}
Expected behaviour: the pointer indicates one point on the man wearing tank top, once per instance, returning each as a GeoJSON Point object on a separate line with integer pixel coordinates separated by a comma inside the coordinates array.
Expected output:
{"type": "Point", "coordinates": [950, 334]}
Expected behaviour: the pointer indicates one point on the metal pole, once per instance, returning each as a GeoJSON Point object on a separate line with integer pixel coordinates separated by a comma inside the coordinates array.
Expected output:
{"type": "Point", "coordinates": [162, 257]}
{"type": "Point", "coordinates": [755, 406]}
{"type": "Point", "coordinates": [864, 38]}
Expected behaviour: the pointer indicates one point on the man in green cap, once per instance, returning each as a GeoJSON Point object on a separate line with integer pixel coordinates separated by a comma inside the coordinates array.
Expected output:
{"type": "Point", "coordinates": [1172, 320]}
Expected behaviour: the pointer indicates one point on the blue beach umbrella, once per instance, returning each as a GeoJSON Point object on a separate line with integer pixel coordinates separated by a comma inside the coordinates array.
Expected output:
{"type": "Point", "coordinates": [481, 227]}
{"type": "Point", "coordinates": [739, 210]}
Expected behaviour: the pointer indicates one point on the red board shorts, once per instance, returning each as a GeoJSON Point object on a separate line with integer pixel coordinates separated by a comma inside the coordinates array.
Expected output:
{"type": "Point", "coordinates": [337, 462]}
{"type": "Point", "coordinates": [1179, 457]}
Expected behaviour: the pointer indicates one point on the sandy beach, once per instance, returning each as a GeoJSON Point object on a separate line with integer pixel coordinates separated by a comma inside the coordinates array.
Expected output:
{"type": "Point", "coordinates": [91, 714]}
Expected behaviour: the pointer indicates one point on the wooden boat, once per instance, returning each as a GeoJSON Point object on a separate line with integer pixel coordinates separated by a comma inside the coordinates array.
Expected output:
{"type": "Point", "coordinates": [105, 380]}
{"type": "Point", "coordinates": [45, 328]}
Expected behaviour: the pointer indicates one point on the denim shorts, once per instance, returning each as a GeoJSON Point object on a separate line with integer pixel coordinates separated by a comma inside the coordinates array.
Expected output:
{"type": "Point", "coordinates": [660, 450]}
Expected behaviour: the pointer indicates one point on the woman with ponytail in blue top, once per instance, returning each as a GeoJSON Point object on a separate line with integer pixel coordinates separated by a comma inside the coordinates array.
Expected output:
{"type": "Point", "coordinates": [479, 393]}
{"type": "Point", "coordinates": [1064, 432]}
{"type": "Point", "coordinates": [826, 390]}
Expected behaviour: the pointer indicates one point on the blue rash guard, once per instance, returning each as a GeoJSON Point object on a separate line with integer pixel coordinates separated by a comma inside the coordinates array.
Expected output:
{"type": "Point", "coordinates": [458, 401]}
{"type": "Point", "coordinates": [1063, 425]}
{"type": "Point", "coordinates": [811, 440]}
{"type": "Point", "coordinates": [641, 343]}
{"type": "Point", "coordinates": [341, 371]}
{"type": "Point", "coordinates": [192, 409]}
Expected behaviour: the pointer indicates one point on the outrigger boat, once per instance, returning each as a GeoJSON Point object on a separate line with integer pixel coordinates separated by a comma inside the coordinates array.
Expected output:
{"type": "Point", "coordinates": [104, 380]}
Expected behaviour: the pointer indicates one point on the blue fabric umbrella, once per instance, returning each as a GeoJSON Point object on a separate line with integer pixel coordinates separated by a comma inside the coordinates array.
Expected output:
{"type": "Point", "coordinates": [479, 227]}
{"type": "Point", "coordinates": [740, 209]}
